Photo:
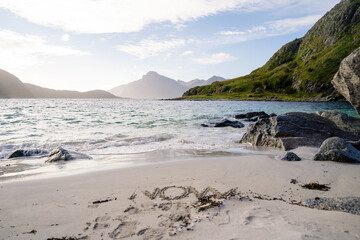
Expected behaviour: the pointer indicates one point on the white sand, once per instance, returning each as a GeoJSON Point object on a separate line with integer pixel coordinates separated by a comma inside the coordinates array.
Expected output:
{"type": "Point", "coordinates": [63, 206]}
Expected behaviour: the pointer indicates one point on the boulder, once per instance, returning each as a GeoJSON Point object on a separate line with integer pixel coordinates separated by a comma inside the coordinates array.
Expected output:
{"type": "Point", "coordinates": [252, 116]}
{"type": "Point", "coordinates": [290, 156]}
{"type": "Point", "coordinates": [347, 80]}
{"type": "Point", "coordinates": [59, 154]}
{"type": "Point", "coordinates": [343, 120]}
{"type": "Point", "coordinates": [225, 123]}
{"type": "Point", "coordinates": [337, 150]}
{"type": "Point", "coordinates": [292, 130]}
{"type": "Point", "coordinates": [25, 153]}
{"type": "Point", "coordinates": [229, 123]}
{"type": "Point", "coordinates": [18, 153]}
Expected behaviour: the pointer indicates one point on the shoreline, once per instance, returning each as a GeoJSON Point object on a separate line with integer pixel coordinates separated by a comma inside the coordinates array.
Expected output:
{"type": "Point", "coordinates": [21, 170]}
{"type": "Point", "coordinates": [246, 100]}
{"type": "Point", "coordinates": [112, 204]}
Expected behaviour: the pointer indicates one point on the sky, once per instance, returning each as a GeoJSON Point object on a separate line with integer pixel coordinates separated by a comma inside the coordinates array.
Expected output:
{"type": "Point", "coordinates": [100, 44]}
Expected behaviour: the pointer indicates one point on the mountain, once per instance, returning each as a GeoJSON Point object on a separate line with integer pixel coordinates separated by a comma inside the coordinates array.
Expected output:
{"type": "Point", "coordinates": [151, 86]}
{"type": "Point", "coordinates": [41, 92]}
{"type": "Point", "coordinates": [192, 83]}
{"type": "Point", "coordinates": [302, 69]}
{"type": "Point", "coordinates": [12, 87]}
{"type": "Point", "coordinates": [155, 86]}
{"type": "Point", "coordinates": [213, 79]}
{"type": "Point", "coordinates": [201, 82]}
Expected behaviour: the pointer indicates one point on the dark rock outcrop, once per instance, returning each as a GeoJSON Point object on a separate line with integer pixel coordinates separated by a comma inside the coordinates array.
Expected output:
{"type": "Point", "coordinates": [59, 154]}
{"type": "Point", "coordinates": [356, 144]}
{"type": "Point", "coordinates": [347, 79]}
{"type": "Point", "coordinates": [18, 153]}
{"type": "Point", "coordinates": [225, 123]}
{"type": "Point", "coordinates": [252, 116]}
{"type": "Point", "coordinates": [292, 130]}
{"type": "Point", "coordinates": [337, 150]}
{"type": "Point", "coordinates": [25, 153]}
{"type": "Point", "coordinates": [229, 123]}
{"type": "Point", "coordinates": [290, 156]}
{"type": "Point", "coordinates": [343, 120]}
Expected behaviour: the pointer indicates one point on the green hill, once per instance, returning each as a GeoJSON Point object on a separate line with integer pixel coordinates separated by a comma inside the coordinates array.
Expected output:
{"type": "Point", "coordinates": [300, 70]}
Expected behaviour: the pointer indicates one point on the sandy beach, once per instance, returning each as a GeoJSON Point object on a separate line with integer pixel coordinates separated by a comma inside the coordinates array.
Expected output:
{"type": "Point", "coordinates": [246, 197]}
{"type": "Point", "coordinates": [189, 120]}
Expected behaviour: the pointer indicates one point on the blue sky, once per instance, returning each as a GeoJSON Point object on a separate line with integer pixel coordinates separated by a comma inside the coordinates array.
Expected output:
{"type": "Point", "coordinates": [100, 44]}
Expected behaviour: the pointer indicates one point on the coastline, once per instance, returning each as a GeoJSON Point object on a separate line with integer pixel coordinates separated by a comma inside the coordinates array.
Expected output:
{"type": "Point", "coordinates": [111, 204]}
{"type": "Point", "coordinates": [250, 100]}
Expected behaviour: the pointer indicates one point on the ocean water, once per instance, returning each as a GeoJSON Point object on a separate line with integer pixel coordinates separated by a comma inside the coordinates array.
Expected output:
{"type": "Point", "coordinates": [122, 132]}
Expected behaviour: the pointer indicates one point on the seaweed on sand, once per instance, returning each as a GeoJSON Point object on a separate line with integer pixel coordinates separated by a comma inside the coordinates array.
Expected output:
{"type": "Point", "coordinates": [316, 186]}
{"type": "Point", "coordinates": [207, 202]}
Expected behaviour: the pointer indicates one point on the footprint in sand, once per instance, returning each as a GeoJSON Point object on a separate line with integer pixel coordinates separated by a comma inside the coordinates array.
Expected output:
{"type": "Point", "coordinates": [124, 230]}
{"type": "Point", "coordinates": [99, 223]}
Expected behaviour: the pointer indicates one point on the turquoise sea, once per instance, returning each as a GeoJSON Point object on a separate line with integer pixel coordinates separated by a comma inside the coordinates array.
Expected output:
{"type": "Point", "coordinates": [119, 132]}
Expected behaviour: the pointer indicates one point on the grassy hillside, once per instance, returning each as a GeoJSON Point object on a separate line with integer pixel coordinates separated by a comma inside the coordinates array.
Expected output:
{"type": "Point", "coordinates": [300, 70]}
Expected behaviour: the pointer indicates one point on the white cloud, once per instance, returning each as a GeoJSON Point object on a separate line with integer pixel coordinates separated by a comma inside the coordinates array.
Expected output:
{"type": "Point", "coordinates": [273, 28]}
{"type": "Point", "coordinates": [293, 24]}
{"type": "Point", "coordinates": [108, 16]}
{"type": "Point", "coordinates": [148, 48]}
{"type": "Point", "coordinates": [180, 26]}
{"type": "Point", "coordinates": [215, 58]}
{"type": "Point", "coordinates": [65, 37]}
{"type": "Point", "coordinates": [187, 53]}
{"type": "Point", "coordinates": [19, 50]}
{"type": "Point", "coordinates": [255, 29]}
{"type": "Point", "coordinates": [233, 32]}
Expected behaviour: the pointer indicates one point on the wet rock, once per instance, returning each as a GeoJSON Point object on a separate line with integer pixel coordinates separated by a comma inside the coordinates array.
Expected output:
{"type": "Point", "coordinates": [347, 80]}
{"type": "Point", "coordinates": [229, 123]}
{"type": "Point", "coordinates": [225, 123]}
{"type": "Point", "coordinates": [252, 116]}
{"type": "Point", "coordinates": [292, 130]}
{"type": "Point", "coordinates": [290, 156]}
{"type": "Point", "coordinates": [25, 153]}
{"type": "Point", "coordinates": [18, 153]}
{"type": "Point", "coordinates": [337, 150]}
{"type": "Point", "coordinates": [343, 120]}
{"type": "Point", "coordinates": [356, 144]}
{"type": "Point", "coordinates": [59, 154]}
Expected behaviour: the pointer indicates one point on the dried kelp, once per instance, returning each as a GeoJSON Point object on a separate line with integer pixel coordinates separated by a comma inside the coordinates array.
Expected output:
{"type": "Point", "coordinates": [316, 186]}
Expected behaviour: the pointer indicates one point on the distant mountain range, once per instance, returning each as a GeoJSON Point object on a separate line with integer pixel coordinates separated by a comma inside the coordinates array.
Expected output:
{"type": "Point", "coordinates": [12, 87]}
{"type": "Point", "coordinates": [155, 86]}
{"type": "Point", "coordinates": [151, 86]}
{"type": "Point", "coordinates": [201, 82]}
